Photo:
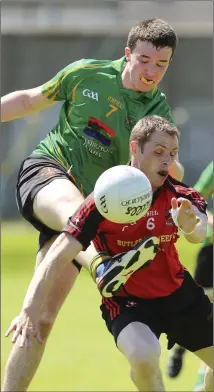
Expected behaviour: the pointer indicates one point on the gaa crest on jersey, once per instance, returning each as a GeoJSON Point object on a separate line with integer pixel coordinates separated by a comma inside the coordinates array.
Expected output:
{"type": "Point", "coordinates": [130, 122]}
{"type": "Point", "coordinates": [168, 217]}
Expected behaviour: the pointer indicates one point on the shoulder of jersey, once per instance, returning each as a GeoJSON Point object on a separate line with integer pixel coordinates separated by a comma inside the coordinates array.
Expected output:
{"type": "Point", "coordinates": [180, 187]}
{"type": "Point", "coordinates": [91, 66]}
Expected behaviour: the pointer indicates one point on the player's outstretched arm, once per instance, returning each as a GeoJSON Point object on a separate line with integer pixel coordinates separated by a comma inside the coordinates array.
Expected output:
{"type": "Point", "coordinates": [23, 103]}
{"type": "Point", "coordinates": [189, 219]}
{"type": "Point", "coordinates": [62, 252]}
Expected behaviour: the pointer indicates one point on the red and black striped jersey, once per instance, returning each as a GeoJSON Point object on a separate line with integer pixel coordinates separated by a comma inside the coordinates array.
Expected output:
{"type": "Point", "coordinates": [165, 273]}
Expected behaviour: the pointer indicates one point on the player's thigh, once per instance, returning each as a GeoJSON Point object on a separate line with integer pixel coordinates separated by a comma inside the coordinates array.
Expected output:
{"type": "Point", "coordinates": [206, 355]}
{"type": "Point", "coordinates": [204, 267]}
{"type": "Point", "coordinates": [138, 343]}
{"type": "Point", "coordinates": [46, 195]}
{"type": "Point", "coordinates": [65, 280]}
{"type": "Point", "coordinates": [190, 324]}
{"type": "Point", "coordinates": [56, 202]}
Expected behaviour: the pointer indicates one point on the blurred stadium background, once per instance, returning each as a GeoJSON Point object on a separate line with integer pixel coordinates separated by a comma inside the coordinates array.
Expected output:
{"type": "Point", "coordinates": [39, 37]}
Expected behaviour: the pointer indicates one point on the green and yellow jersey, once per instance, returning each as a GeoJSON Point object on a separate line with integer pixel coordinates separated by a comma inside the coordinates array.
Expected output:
{"type": "Point", "coordinates": [204, 186]}
{"type": "Point", "coordinates": [96, 119]}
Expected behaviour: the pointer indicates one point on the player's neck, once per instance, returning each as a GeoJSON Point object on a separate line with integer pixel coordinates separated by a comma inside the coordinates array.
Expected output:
{"type": "Point", "coordinates": [126, 81]}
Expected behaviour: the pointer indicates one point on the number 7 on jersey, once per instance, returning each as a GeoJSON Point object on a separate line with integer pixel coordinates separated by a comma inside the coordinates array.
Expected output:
{"type": "Point", "coordinates": [113, 109]}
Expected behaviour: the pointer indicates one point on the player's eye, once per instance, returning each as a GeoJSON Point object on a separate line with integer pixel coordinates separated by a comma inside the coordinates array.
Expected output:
{"type": "Point", "coordinates": [173, 154]}
{"type": "Point", "coordinates": [158, 152]}
{"type": "Point", "coordinates": [160, 65]}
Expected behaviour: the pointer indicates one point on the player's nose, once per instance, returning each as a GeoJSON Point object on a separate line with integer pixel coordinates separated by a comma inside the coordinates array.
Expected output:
{"type": "Point", "coordinates": [150, 71]}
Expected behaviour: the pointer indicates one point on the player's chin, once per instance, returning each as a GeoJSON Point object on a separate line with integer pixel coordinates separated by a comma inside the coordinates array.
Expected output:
{"type": "Point", "coordinates": [144, 88]}
{"type": "Point", "coordinates": [160, 179]}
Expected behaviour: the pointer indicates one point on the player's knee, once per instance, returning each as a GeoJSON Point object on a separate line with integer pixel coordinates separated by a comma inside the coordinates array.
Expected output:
{"type": "Point", "coordinates": [56, 202]}
{"type": "Point", "coordinates": [144, 357]}
{"type": "Point", "coordinates": [145, 372]}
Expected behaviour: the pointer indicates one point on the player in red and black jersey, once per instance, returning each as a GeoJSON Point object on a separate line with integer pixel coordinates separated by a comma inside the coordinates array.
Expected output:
{"type": "Point", "coordinates": [166, 273]}
{"type": "Point", "coordinates": [161, 296]}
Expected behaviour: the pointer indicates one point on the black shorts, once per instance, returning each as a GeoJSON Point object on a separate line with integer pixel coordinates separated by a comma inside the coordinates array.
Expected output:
{"type": "Point", "coordinates": [34, 174]}
{"type": "Point", "coordinates": [185, 316]}
{"type": "Point", "coordinates": [204, 267]}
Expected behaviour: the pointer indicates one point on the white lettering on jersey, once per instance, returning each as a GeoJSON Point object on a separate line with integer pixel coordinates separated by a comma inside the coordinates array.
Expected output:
{"type": "Point", "coordinates": [90, 94]}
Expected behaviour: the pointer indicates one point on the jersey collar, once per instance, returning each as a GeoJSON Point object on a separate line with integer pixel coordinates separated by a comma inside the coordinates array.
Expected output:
{"type": "Point", "coordinates": [118, 65]}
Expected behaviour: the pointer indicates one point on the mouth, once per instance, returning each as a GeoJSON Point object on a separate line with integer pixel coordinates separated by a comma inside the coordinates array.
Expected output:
{"type": "Point", "coordinates": [147, 81]}
{"type": "Point", "coordinates": [163, 173]}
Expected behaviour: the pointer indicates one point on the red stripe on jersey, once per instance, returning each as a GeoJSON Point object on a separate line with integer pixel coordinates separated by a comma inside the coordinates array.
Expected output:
{"type": "Point", "coordinates": [109, 307]}
{"type": "Point", "coordinates": [108, 130]}
{"type": "Point", "coordinates": [117, 307]}
{"type": "Point", "coordinates": [99, 245]}
{"type": "Point", "coordinates": [91, 206]}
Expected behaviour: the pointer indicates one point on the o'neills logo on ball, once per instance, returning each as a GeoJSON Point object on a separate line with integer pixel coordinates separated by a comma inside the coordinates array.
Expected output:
{"type": "Point", "coordinates": [137, 200]}
{"type": "Point", "coordinates": [103, 204]}
{"type": "Point", "coordinates": [135, 211]}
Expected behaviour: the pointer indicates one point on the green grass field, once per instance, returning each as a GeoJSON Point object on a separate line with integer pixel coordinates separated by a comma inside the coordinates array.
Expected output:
{"type": "Point", "coordinates": [81, 354]}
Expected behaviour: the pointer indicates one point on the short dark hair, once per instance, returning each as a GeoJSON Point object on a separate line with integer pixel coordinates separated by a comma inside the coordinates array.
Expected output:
{"type": "Point", "coordinates": [156, 31]}
{"type": "Point", "coordinates": [145, 127]}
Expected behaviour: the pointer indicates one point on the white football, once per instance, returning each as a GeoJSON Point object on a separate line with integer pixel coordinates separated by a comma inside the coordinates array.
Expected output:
{"type": "Point", "coordinates": [123, 194]}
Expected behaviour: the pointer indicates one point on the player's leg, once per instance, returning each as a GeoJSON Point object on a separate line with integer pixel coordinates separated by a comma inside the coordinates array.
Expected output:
{"type": "Point", "coordinates": [190, 324]}
{"type": "Point", "coordinates": [111, 275]}
{"type": "Point", "coordinates": [208, 380]}
{"type": "Point", "coordinates": [136, 328]}
{"type": "Point", "coordinates": [22, 364]}
{"type": "Point", "coordinates": [204, 276]}
{"type": "Point", "coordinates": [175, 361]}
{"type": "Point", "coordinates": [142, 349]}
{"type": "Point", "coordinates": [199, 385]}
{"type": "Point", "coordinates": [206, 355]}
{"type": "Point", "coordinates": [54, 203]}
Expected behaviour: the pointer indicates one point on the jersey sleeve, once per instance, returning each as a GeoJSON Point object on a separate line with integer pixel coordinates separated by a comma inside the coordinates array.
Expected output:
{"type": "Point", "coordinates": [61, 86]}
{"type": "Point", "coordinates": [84, 223]}
{"type": "Point", "coordinates": [204, 185]}
{"type": "Point", "coordinates": [192, 195]}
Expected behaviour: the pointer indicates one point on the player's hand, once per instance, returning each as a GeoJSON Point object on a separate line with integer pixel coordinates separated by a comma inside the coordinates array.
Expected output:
{"type": "Point", "coordinates": [186, 214]}
{"type": "Point", "coordinates": [25, 328]}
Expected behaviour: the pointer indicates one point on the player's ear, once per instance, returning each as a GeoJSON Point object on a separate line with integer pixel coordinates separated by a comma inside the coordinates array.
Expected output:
{"type": "Point", "coordinates": [127, 53]}
{"type": "Point", "coordinates": [133, 148]}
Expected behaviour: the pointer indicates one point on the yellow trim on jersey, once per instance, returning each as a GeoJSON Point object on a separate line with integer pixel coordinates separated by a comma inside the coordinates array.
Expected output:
{"type": "Point", "coordinates": [52, 86]}
{"type": "Point", "coordinates": [74, 90]}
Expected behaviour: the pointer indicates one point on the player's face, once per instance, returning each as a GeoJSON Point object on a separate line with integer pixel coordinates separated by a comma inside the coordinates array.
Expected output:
{"type": "Point", "coordinates": [146, 65]}
{"type": "Point", "coordinates": [157, 157]}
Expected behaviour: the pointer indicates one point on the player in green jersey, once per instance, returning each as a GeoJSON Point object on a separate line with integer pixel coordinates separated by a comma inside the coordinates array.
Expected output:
{"type": "Point", "coordinates": [203, 274]}
{"type": "Point", "coordinates": [103, 100]}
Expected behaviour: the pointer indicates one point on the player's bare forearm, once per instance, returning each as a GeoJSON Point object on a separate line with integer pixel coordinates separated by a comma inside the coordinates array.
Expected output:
{"type": "Point", "coordinates": [177, 171]}
{"type": "Point", "coordinates": [23, 103]}
{"type": "Point", "coordinates": [62, 252]}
